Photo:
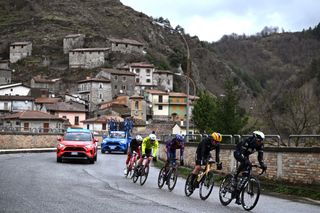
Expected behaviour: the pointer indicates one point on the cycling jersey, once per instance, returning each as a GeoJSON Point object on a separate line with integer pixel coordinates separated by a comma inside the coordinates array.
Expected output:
{"type": "Point", "coordinates": [172, 146]}
{"type": "Point", "coordinates": [147, 144]}
{"type": "Point", "coordinates": [204, 148]}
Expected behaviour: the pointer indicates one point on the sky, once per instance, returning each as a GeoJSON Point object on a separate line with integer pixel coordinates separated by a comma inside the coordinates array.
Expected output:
{"type": "Point", "coordinates": [211, 19]}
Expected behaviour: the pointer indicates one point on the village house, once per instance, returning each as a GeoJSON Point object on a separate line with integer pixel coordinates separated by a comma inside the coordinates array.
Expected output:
{"type": "Point", "coordinates": [73, 41]}
{"type": "Point", "coordinates": [5, 76]}
{"type": "Point", "coordinates": [100, 123]}
{"type": "Point", "coordinates": [42, 102]}
{"type": "Point", "coordinates": [15, 103]}
{"type": "Point", "coordinates": [14, 89]}
{"type": "Point", "coordinates": [138, 107]}
{"type": "Point", "coordinates": [20, 50]}
{"type": "Point", "coordinates": [125, 45]}
{"type": "Point", "coordinates": [122, 82]}
{"type": "Point", "coordinates": [144, 75]}
{"type": "Point", "coordinates": [32, 121]}
{"type": "Point", "coordinates": [94, 91]}
{"type": "Point", "coordinates": [53, 85]}
{"type": "Point", "coordinates": [163, 79]}
{"type": "Point", "coordinates": [72, 112]}
{"type": "Point", "coordinates": [158, 103]}
{"type": "Point", "coordinates": [87, 58]}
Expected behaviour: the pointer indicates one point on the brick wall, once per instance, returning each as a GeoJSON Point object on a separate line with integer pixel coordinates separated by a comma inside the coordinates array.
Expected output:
{"type": "Point", "coordinates": [296, 165]}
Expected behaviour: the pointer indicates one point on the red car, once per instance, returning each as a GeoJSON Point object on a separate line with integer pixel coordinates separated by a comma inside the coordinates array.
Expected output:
{"type": "Point", "coordinates": [77, 144]}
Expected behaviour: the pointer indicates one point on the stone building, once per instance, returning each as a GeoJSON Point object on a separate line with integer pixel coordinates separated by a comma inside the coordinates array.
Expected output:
{"type": "Point", "coordinates": [73, 41]}
{"type": "Point", "coordinates": [87, 58]}
{"type": "Point", "coordinates": [20, 50]}
{"type": "Point", "coordinates": [4, 64]}
{"type": "Point", "coordinates": [122, 82]}
{"type": "Point", "coordinates": [163, 79]}
{"type": "Point", "coordinates": [95, 91]}
{"type": "Point", "coordinates": [5, 76]}
{"type": "Point", "coordinates": [138, 107]}
{"type": "Point", "coordinates": [53, 85]}
{"type": "Point", "coordinates": [125, 45]}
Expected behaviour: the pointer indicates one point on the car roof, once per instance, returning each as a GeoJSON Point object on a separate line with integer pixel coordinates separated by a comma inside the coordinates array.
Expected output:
{"type": "Point", "coordinates": [78, 130]}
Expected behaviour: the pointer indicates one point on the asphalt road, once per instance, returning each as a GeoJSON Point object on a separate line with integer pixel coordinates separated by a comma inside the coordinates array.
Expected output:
{"type": "Point", "coordinates": [34, 182]}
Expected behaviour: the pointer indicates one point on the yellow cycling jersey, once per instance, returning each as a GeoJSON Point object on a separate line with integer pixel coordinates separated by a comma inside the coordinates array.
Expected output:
{"type": "Point", "coordinates": [146, 144]}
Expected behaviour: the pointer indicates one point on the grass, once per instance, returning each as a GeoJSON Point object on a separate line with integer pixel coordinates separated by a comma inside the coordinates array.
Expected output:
{"type": "Point", "coordinates": [280, 188]}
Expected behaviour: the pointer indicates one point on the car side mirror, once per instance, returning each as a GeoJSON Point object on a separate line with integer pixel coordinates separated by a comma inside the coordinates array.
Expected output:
{"type": "Point", "coordinates": [95, 140]}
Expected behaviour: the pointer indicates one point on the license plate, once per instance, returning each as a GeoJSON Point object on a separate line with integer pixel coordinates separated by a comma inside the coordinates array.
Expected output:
{"type": "Point", "coordinates": [74, 153]}
{"type": "Point", "coordinates": [112, 147]}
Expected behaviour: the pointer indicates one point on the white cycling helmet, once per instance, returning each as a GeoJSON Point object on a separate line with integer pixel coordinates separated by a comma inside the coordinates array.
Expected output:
{"type": "Point", "coordinates": [139, 138]}
{"type": "Point", "coordinates": [259, 135]}
{"type": "Point", "coordinates": [152, 137]}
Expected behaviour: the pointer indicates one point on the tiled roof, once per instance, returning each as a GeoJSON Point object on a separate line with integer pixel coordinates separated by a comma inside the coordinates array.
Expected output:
{"type": "Point", "coordinates": [95, 80]}
{"type": "Point", "coordinates": [16, 98]}
{"type": "Point", "coordinates": [20, 43]}
{"type": "Point", "coordinates": [163, 72]}
{"type": "Point", "coordinates": [177, 94]}
{"type": "Point", "coordinates": [66, 107]}
{"type": "Point", "coordinates": [154, 91]}
{"type": "Point", "coordinates": [12, 85]}
{"type": "Point", "coordinates": [136, 97]}
{"type": "Point", "coordinates": [40, 79]}
{"type": "Point", "coordinates": [32, 115]}
{"type": "Point", "coordinates": [47, 100]}
{"type": "Point", "coordinates": [118, 72]}
{"type": "Point", "coordinates": [103, 119]}
{"type": "Point", "coordinates": [89, 49]}
{"type": "Point", "coordinates": [141, 64]}
{"type": "Point", "coordinates": [126, 41]}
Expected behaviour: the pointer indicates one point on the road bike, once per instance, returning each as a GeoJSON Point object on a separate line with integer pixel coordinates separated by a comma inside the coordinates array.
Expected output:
{"type": "Point", "coordinates": [168, 175]}
{"type": "Point", "coordinates": [132, 164]}
{"type": "Point", "coordinates": [247, 187]}
{"type": "Point", "coordinates": [141, 171]}
{"type": "Point", "coordinates": [204, 180]}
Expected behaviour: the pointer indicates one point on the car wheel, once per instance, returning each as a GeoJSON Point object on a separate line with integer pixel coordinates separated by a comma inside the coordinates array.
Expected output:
{"type": "Point", "coordinates": [109, 151]}
{"type": "Point", "coordinates": [91, 161]}
{"type": "Point", "coordinates": [59, 160]}
{"type": "Point", "coordinates": [103, 151]}
{"type": "Point", "coordinates": [95, 158]}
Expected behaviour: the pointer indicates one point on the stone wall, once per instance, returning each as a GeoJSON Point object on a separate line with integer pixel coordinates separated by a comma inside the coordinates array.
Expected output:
{"type": "Point", "coordinates": [296, 165]}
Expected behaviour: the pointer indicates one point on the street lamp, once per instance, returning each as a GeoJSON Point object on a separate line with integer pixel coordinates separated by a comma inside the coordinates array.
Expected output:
{"type": "Point", "coordinates": [188, 105]}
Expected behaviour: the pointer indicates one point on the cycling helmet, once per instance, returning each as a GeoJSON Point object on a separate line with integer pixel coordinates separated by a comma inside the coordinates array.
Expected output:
{"type": "Point", "coordinates": [259, 135]}
{"type": "Point", "coordinates": [216, 136]}
{"type": "Point", "coordinates": [179, 138]}
{"type": "Point", "coordinates": [139, 138]}
{"type": "Point", "coordinates": [152, 137]}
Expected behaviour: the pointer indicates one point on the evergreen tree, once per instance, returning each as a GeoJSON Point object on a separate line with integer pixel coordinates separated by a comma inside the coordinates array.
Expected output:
{"type": "Point", "coordinates": [229, 117]}
{"type": "Point", "coordinates": [203, 113]}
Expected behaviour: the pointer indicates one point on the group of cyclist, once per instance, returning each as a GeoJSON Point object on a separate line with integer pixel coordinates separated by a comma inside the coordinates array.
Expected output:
{"type": "Point", "coordinates": [244, 149]}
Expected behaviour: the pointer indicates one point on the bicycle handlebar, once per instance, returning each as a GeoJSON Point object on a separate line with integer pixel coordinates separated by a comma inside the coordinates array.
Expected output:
{"type": "Point", "coordinates": [258, 166]}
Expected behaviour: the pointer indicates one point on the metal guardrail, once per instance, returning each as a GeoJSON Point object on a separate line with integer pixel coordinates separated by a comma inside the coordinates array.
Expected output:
{"type": "Point", "coordinates": [300, 136]}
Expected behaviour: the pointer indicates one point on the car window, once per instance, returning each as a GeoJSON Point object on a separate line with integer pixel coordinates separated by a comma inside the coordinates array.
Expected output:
{"type": "Point", "coordinates": [117, 135]}
{"type": "Point", "coordinates": [79, 136]}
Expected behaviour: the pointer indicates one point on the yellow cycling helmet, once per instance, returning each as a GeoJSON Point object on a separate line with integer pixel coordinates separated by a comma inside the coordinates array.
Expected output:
{"type": "Point", "coordinates": [216, 136]}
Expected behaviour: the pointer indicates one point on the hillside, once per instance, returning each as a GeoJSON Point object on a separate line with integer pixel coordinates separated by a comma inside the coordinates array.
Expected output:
{"type": "Point", "coordinates": [259, 65]}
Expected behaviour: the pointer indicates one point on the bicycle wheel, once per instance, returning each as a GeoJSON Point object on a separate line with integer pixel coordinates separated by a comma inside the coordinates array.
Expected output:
{"type": "Point", "coordinates": [135, 175]}
{"type": "Point", "coordinates": [226, 190]}
{"type": "Point", "coordinates": [172, 179]}
{"type": "Point", "coordinates": [144, 175]}
{"type": "Point", "coordinates": [130, 170]}
{"type": "Point", "coordinates": [161, 177]}
{"type": "Point", "coordinates": [250, 194]}
{"type": "Point", "coordinates": [206, 186]}
{"type": "Point", "coordinates": [188, 188]}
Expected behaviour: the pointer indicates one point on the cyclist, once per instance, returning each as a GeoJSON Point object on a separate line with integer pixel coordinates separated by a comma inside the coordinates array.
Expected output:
{"type": "Point", "coordinates": [171, 146]}
{"type": "Point", "coordinates": [203, 153]}
{"type": "Point", "coordinates": [149, 148]}
{"type": "Point", "coordinates": [242, 152]}
{"type": "Point", "coordinates": [134, 146]}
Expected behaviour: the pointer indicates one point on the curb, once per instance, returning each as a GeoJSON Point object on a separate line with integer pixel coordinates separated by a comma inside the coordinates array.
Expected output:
{"type": "Point", "coordinates": [13, 151]}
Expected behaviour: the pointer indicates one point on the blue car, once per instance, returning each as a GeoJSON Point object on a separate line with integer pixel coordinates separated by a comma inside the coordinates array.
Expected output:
{"type": "Point", "coordinates": [116, 141]}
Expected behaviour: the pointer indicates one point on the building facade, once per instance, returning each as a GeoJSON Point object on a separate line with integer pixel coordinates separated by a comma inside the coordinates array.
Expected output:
{"type": "Point", "coordinates": [122, 82]}
{"type": "Point", "coordinates": [163, 79]}
{"type": "Point", "coordinates": [14, 89]}
{"type": "Point", "coordinates": [144, 74]}
{"type": "Point", "coordinates": [125, 45]}
{"type": "Point", "coordinates": [73, 41]}
{"type": "Point", "coordinates": [53, 85]}
{"type": "Point", "coordinates": [20, 50]}
{"type": "Point", "coordinates": [158, 102]}
{"type": "Point", "coordinates": [87, 58]}
{"type": "Point", "coordinates": [95, 91]}
{"type": "Point", "coordinates": [5, 76]}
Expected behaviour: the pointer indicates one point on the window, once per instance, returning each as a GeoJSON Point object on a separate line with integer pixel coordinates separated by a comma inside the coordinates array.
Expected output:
{"type": "Point", "coordinates": [159, 107]}
{"type": "Point", "coordinates": [160, 98]}
{"type": "Point", "coordinates": [137, 80]}
{"type": "Point", "coordinates": [123, 87]}
{"type": "Point", "coordinates": [148, 72]}
{"type": "Point", "coordinates": [115, 77]}
{"type": "Point", "coordinates": [136, 105]}
{"type": "Point", "coordinates": [100, 96]}
{"type": "Point", "coordinates": [76, 120]}
{"type": "Point", "coordinates": [148, 80]}
{"type": "Point", "coordinates": [124, 78]}
{"type": "Point", "coordinates": [115, 86]}
{"type": "Point", "coordinates": [6, 106]}
{"type": "Point", "coordinates": [25, 126]}
{"type": "Point", "coordinates": [64, 117]}
{"type": "Point", "coordinates": [100, 85]}
{"type": "Point", "coordinates": [137, 71]}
